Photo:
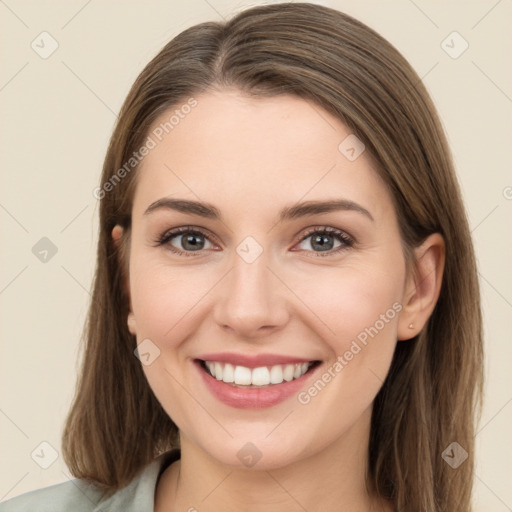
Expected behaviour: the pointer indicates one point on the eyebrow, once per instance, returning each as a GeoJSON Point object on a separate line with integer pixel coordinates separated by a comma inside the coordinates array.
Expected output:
{"type": "Point", "coordinates": [296, 211]}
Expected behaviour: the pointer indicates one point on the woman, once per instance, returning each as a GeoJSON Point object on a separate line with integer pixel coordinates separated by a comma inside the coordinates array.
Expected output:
{"type": "Point", "coordinates": [286, 311]}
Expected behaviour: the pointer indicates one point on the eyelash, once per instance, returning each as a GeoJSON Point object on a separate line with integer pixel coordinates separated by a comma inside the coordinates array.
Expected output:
{"type": "Point", "coordinates": [342, 237]}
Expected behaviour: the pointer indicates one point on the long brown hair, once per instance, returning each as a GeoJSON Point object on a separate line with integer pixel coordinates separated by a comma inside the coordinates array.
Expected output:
{"type": "Point", "coordinates": [434, 387]}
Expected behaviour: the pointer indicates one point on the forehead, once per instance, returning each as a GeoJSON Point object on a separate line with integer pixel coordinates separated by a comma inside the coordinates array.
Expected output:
{"type": "Point", "coordinates": [232, 150]}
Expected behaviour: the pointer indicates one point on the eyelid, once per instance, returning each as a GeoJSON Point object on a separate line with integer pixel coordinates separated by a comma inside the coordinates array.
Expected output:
{"type": "Point", "coordinates": [346, 239]}
{"type": "Point", "coordinates": [171, 233]}
{"type": "Point", "coordinates": [326, 229]}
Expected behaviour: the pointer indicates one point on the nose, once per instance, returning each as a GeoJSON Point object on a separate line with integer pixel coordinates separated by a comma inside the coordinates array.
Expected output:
{"type": "Point", "coordinates": [251, 301]}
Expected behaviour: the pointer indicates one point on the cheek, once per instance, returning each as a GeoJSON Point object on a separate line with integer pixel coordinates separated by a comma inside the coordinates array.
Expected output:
{"type": "Point", "coordinates": [340, 304]}
{"type": "Point", "coordinates": [350, 301]}
{"type": "Point", "coordinates": [165, 300]}
{"type": "Point", "coordinates": [360, 307]}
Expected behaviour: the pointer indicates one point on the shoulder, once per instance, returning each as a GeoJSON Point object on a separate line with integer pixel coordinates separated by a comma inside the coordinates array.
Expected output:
{"type": "Point", "coordinates": [81, 496]}
{"type": "Point", "coordinates": [76, 495]}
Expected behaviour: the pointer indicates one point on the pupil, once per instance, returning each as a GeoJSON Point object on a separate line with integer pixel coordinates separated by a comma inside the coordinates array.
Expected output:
{"type": "Point", "coordinates": [323, 245]}
{"type": "Point", "coordinates": [190, 242]}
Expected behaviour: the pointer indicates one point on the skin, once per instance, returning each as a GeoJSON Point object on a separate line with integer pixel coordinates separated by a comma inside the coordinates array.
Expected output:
{"type": "Point", "coordinates": [250, 157]}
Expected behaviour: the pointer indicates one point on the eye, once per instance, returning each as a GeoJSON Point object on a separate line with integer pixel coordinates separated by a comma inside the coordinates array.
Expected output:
{"type": "Point", "coordinates": [323, 240]}
{"type": "Point", "coordinates": [185, 241]}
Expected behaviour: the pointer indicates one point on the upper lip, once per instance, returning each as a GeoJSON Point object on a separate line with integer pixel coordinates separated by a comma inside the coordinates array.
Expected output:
{"type": "Point", "coordinates": [253, 361]}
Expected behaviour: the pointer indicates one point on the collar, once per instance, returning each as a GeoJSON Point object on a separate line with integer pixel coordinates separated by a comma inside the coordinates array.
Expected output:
{"type": "Point", "coordinates": [139, 494]}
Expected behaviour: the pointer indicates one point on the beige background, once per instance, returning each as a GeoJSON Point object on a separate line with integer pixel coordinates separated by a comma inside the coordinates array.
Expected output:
{"type": "Point", "coordinates": [58, 114]}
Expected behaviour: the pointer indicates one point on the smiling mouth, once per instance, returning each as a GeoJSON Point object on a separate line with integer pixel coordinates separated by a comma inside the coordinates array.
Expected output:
{"type": "Point", "coordinates": [260, 377]}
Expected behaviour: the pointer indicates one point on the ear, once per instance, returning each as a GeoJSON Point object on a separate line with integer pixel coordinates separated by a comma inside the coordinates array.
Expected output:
{"type": "Point", "coordinates": [423, 286]}
{"type": "Point", "coordinates": [132, 324]}
{"type": "Point", "coordinates": [117, 236]}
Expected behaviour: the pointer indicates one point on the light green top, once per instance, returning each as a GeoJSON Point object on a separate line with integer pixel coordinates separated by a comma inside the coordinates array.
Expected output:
{"type": "Point", "coordinates": [80, 496]}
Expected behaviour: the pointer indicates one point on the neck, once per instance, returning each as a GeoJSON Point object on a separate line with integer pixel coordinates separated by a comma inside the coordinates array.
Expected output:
{"type": "Point", "coordinates": [332, 479]}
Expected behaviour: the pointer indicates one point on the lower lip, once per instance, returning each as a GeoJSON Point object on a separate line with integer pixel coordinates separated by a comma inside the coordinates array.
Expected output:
{"type": "Point", "coordinates": [253, 398]}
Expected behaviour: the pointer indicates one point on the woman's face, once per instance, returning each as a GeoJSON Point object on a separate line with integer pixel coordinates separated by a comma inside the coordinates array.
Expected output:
{"type": "Point", "coordinates": [253, 286]}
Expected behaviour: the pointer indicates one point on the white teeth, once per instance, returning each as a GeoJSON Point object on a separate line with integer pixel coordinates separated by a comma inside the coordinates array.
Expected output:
{"type": "Point", "coordinates": [218, 371]}
{"type": "Point", "coordinates": [261, 376]}
{"type": "Point", "coordinates": [276, 374]}
{"type": "Point", "coordinates": [288, 372]}
{"type": "Point", "coordinates": [242, 375]}
{"type": "Point", "coordinates": [228, 374]}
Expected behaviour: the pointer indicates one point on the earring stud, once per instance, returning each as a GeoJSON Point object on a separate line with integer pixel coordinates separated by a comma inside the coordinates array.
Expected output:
{"type": "Point", "coordinates": [411, 326]}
